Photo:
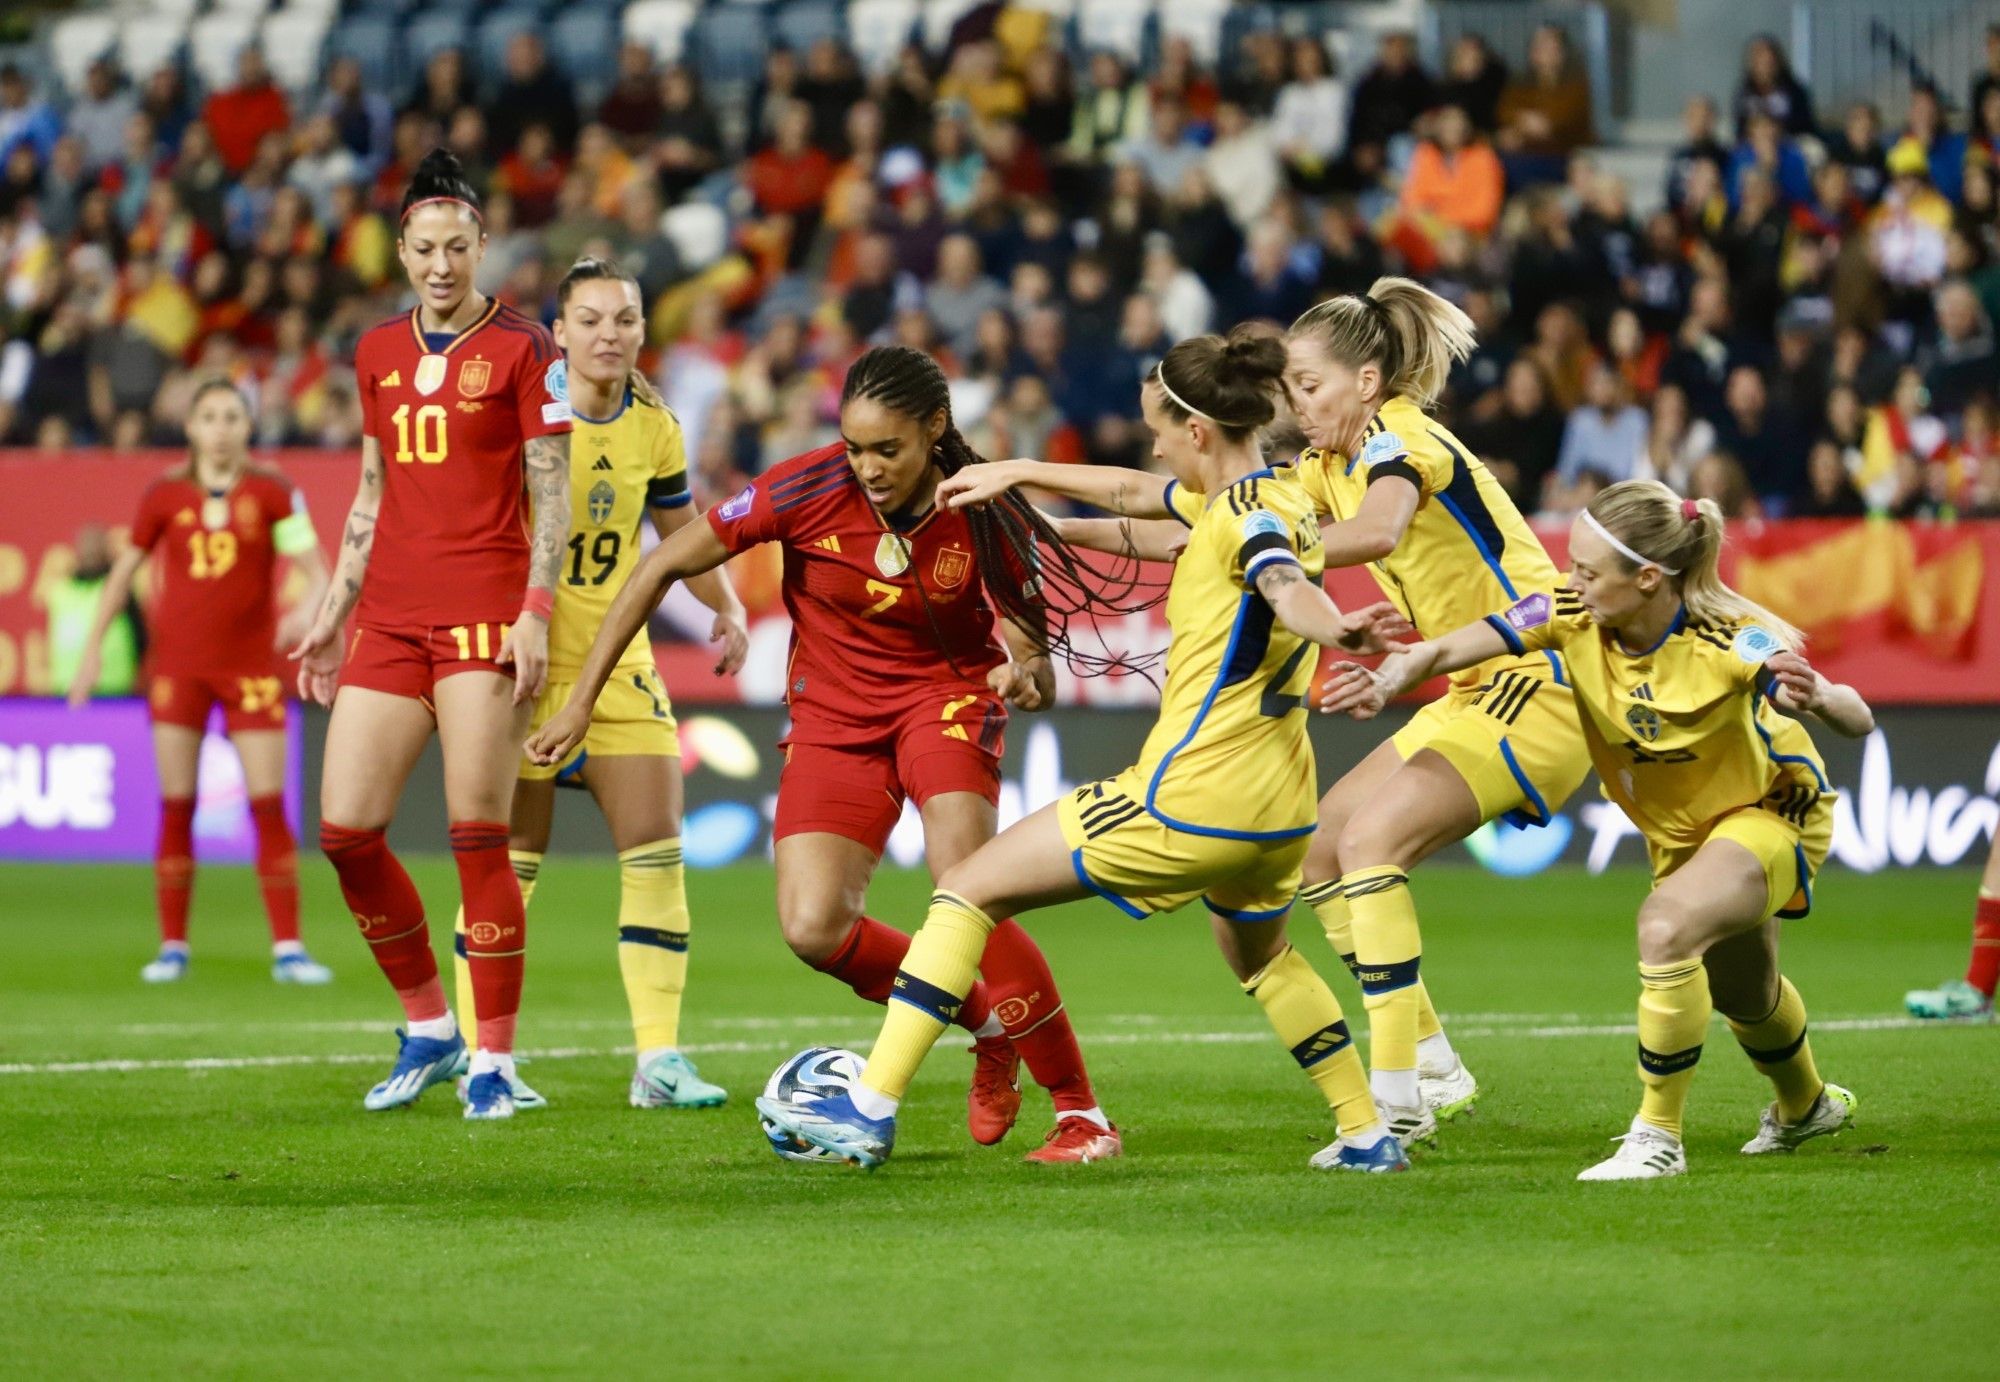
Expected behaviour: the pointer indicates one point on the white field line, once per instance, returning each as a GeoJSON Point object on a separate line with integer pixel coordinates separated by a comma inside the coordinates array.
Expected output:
{"type": "Point", "coordinates": [851, 1033]}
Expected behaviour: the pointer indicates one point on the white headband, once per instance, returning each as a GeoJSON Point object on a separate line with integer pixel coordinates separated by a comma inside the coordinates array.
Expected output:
{"type": "Point", "coordinates": [1185, 406]}
{"type": "Point", "coordinates": [1635, 558]}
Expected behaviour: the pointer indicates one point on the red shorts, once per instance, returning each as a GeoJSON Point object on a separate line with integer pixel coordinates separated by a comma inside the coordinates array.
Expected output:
{"type": "Point", "coordinates": [248, 703]}
{"type": "Point", "coordinates": [411, 662]}
{"type": "Point", "coordinates": [857, 790]}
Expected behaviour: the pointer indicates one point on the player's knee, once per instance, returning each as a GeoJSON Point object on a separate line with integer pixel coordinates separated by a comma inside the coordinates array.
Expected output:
{"type": "Point", "coordinates": [1322, 861]}
{"type": "Point", "coordinates": [1368, 841]}
{"type": "Point", "coordinates": [1665, 932]}
{"type": "Point", "coordinates": [814, 927]}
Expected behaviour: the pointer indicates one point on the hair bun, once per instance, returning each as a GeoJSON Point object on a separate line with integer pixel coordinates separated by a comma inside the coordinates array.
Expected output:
{"type": "Point", "coordinates": [440, 162]}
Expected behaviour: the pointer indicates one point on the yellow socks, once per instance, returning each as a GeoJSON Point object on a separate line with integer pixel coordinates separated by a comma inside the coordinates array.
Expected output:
{"type": "Point", "coordinates": [1390, 953]}
{"type": "Point", "coordinates": [653, 941]}
{"type": "Point", "coordinates": [1777, 1043]}
{"type": "Point", "coordinates": [1306, 1017]}
{"type": "Point", "coordinates": [527, 868]}
{"type": "Point", "coordinates": [1329, 903]}
{"type": "Point", "coordinates": [1673, 1018]}
{"type": "Point", "coordinates": [936, 974]}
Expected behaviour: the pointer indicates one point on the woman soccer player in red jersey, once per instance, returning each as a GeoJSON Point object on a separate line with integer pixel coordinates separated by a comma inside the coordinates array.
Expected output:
{"type": "Point", "coordinates": [217, 527]}
{"type": "Point", "coordinates": [465, 411]}
{"type": "Point", "coordinates": [897, 688]}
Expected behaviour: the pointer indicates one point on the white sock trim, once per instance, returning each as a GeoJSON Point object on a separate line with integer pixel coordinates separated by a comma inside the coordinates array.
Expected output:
{"type": "Point", "coordinates": [484, 1061]}
{"type": "Point", "coordinates": [1395, 1088]}
{"type": "Point", "coordinates": [1093, 1114]}
{"type": "Point", "coordinates": [989, 1028]}
{"type": "Point", "coordinates": [1434, 1052]}
{"type": "Point", "coordinates": [872, 1103]}
{"type": "Point", "coordinates": [436, 1028]}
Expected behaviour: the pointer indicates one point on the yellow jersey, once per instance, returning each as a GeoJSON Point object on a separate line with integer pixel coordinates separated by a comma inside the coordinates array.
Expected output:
{"type": "Point", "coordinates": [1684, 732]}
{"type": "Point", "coordinates": [1467, 549]}
{"type": "Point", "coordinates": [619, 468]}
{"type": "Point", "coordinates": [1229, 756]}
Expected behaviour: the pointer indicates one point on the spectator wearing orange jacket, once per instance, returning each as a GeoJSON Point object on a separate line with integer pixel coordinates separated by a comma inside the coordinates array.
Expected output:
{"type": "Point", "coordinates": [1455, 182]}
{"type": "Point", "coordinates": [240, 116]}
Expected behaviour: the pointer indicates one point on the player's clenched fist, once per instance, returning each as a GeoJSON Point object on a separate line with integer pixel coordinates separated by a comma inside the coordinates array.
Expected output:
{"type": "Point", "coordinates": [563, 732]}
{"type": "Point", "coordinates": [1029, 685]}
{"type": "Point", "coordinates": [526, 647]}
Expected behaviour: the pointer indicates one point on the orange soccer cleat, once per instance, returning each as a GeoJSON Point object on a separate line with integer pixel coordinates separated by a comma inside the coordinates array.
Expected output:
{"type": "Point", "coordinates": [994, 1101]}
{"type": "Point", "coordinates": [1077, 1140]}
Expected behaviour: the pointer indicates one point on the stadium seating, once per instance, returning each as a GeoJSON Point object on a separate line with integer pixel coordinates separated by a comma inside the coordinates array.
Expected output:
{"type": "Point", "coordinates": [148, 42]}
{"type": "Point", "coordinates": [939, 17]}
{"type": "Point", "coordinates": [215, 41]}
{"type": "Point", "coordinates": [431, 33]}
{"type": "Point", "coordinates": [294, 39]}
{"type": "Point", "coordinates": [1123, 26]}
{"type": "Point", "coordinates": [730, 43]}
{"type": "Point", "coordinates": [583, 43]}
{"type": "Point", "coordinates": [662, 25]}
{"type": "Point", "coordinates": [77, 41]}
{"type": "Point", "coordinates": [1197, 21]}
{"type": "Point", "coordinates": [803, 23]}
{"type": "Point", "coordinates": [496, 31]}
{"type": "Point", "coordinates": [371, 40]}
{"type": "Point", "coordinates": [878, 29]}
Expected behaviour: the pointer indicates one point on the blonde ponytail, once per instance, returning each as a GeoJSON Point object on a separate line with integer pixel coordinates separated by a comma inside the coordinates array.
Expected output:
{"type": "Point", "coordinates": [1683, 537]}
{"type": "Point", "coordinates": [643, 390]}
{"type": "Point", "coordinates": [1414, 335]}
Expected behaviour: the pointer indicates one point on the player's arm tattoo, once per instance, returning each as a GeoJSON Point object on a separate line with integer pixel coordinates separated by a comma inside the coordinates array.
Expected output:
{"type": "Point", "coordinates": [1273, 579]}
{"type": "Point", "coordinates": [357, 540]}
{"type": "Point", "coordinates": [547, 461]}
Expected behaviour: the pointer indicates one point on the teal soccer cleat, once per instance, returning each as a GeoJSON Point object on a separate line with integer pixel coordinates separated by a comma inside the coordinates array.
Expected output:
{"type": "Point", "coordinates": [1956, 1001]}
{"type": "Point", "coordinates": [669, 1080]}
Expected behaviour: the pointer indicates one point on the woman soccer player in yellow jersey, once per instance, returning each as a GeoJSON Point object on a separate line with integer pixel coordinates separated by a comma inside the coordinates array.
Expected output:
{"type": "Point", "coordinates": [1686, 692]}
{"type": "Point", "coordinates": [1246, 612]}
{"type": "Point", "coordinates": [627, 463]}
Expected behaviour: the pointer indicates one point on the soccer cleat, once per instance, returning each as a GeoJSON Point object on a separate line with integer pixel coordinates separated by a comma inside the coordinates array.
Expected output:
{"type": "Point", "coordinates": [1644, 1153]}
{"type": "Point", "coordinates": [300, 968]}
{"type": "Point", "coordinates": [1341, 1155]}
{"type": "Point", "coordinates": [1955, 1001]}
{"type": "Point", "coordinates": [1832, 1112]}
{"type": "Point", "coordinates": [1448, 1093]}
{"type": "Point", "coordinates": [834, 1125]}
{"type": "Point", "coordinates": [1410, 1125]}
{"type": "Point", "coordinates": [526, 1100]}
{"type": "Point", "coordinates": [994, 1101]}
{"type": "Point", "coordinates": [420, 1063]}
{"type": "Point", "coordinates": [488, 1095]}
{"type": "Point", "coordinates": [1077, 1140]}
{"type": "Point", "coordinates": [669, 1080]}
{"type": "Point", "coordinates": [169, 965]}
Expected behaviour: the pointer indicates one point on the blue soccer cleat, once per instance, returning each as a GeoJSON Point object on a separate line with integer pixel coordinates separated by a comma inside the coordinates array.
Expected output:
{"type": "Point", "coordinates": [1386, 1155]}
{"type": "Point", "coordinates": [488, 1095]}
{"type": "Point", "coordinates": [420, 1063]}
{"type": "Point", "coordinates": [170, 966]}
{"type": "Point", "coordinates": [526, 1100]}
{"type": "Point", "coordinates": [834, 1125]}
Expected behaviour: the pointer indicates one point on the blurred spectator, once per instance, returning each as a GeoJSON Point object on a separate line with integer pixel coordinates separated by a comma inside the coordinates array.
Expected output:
{"type": "Point", "coordinates": [975, 79]}
{"type": "Point", "coordinates": [1698, 145]}
{"type": "Point", "coordinates": [1961, 361]}
{"type": "Point", "coordinates": [1048, 108]}
{"type": "Point", "coordinates": [1768, 87]}
{"type": "Point", "coordinates": [1607, 434]}
{"type": "Point", "coordinates": [1830, 491]}
{"type": "Point", "coordinates": [1165, 152]}
{"type": "Point", "coordinates": [1454, 181]}
{"type": "Point", "coordinates": [72, 602]}
{"type": "Point", "coordinates": [59, 197]}
{"type": "Point", "coordinates": [363, 119]}
{"type": "Point", "coordinates": [1186, 306]}
{"type": "Point", "coordinates": [1206, 240]}
{"type": "Point", "coordinates": [1270, 285]}
{"type": "Point", "coordinates": [1988, 78]}
{"type": "Point", "coordinates": [1636, 356]}
{"type": "Point", "coordinates": [1752, 247]}
{"type": "Point", "coordinates": [1309, 118]}
{"type": "Point", "coordinates": [1719, 476]}
{"type": "Point", "coordinates": [1524, 439]}
{"type": "Point", "coordinates": [1943, 147]}
{"type": "Point", "coordinates": [1858, 147]}
{"type": "Point", "coordinates": [1177, 78]}
{"type": "Point", "coordinates": [688, 143]}
{"type": "Point", "coordinates": [1703, 349]}
{"type": "Point", "coordinates": [1676, 440]}
{"type": "Point", "coordinates": [955, 158]}
{"type": "Point", "coordinates": [25, 120]}
{"type": "Point", "coordinates": [532, 176]}
{"type": "Point", "coordinates": [164, 101]}
{"type": "Point", "coordinates": [961, 293]}
{"type": "Point", "coordinates": [1474, 78]}
{"type": "Point", "coordinates": [644, 250]}
{"type": "Point", "coordinates": [632, 108]}
{"type": "Point", "coordinates": [530, 92]}
{"type": "Point", "coordinates": [829, 83]}
{"type": "Point", "coordinates": [321, 164]}
{"type": "Point", "coordinates": [1242, 164]}
{"type": "Point", "coordinates": [1264, 64]}
{"type": "Point", "coordinates": [1907, 233]}
{"type": "Point", "coordinates": [1545, 116]}
{"type": "Point", "coordinates": [790, 176]}
{"type": "Point", "coordinates": [1392, 94]}
{"type": "Point", "coordinates": [1766, 149]}
{"type": "Point", "coordinates": [1769, 439]}
{"type": "Point", "coordinates": [240, 117]}
{"type": "Point", "coordinates": [446, 88]}
{"type": "Point", "coordinates": [98, 115]}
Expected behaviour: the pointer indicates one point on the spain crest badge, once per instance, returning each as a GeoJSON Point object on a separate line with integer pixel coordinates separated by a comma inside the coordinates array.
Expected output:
{"type": "Point", "coordinates": [474, 376]}
{"type": "Point", "coordinates": [950, 568]}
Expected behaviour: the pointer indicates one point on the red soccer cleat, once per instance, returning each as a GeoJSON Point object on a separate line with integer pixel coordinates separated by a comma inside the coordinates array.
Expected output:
{"type": "Point", "coordinates": [1077, 1140]}
{"type": "Point", "coordinates": [994, 1101]}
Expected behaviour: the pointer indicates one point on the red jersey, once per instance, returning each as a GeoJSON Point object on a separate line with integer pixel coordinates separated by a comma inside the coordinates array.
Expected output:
{"type": "Point", "coordinates": [879, 614]}
{"type": "Point", "coordinates": [214, 606]}
{"type": "Point", "coordinates": [451, 417]}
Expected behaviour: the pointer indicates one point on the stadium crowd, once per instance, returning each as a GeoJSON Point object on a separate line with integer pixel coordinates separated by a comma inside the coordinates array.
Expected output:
{"type": "Point", "coordinates": [1805, 327]}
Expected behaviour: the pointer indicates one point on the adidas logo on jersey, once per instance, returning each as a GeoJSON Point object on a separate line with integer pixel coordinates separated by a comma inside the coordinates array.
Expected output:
{"type": "Point", "coordinates": [1643, 692]}
{"type": "Point", "coordinates": [394, 381]}
{"type": "Point", "coordinates": [602, 463]}
{"type": "Point", "coordinates": [828, 544]}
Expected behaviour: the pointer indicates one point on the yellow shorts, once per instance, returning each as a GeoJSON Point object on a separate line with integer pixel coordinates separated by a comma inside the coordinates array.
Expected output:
{"type": "Point", "coordinates": [1125, 855]}
{"type": "Point", "coordinates": [1515, 741]}
{"type": "Point", "coordinates": [632, 717]}
{"type": "Point", "coordinates": [1790, 851]}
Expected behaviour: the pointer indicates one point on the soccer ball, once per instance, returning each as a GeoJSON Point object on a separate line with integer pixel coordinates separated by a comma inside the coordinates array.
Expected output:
{"type": "Point", "coordinates": [812, 1074]}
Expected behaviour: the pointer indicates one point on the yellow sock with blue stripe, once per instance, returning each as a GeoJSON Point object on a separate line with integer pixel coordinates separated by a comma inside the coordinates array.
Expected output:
{"type": "Point", "coordinates": [1329, 903]}
{"type": "Point", "coordinates": [1777, 1043]}
{"type": "Point", "coordinates": [1674, 1007]}
{"type": "Point", "coordinates": [1307, 1018]}
{"type": "Point", "coordinates": [653, 941]}
{"type": "Point", "coordinates": [1390, 953]}
{"type": "Point", "coordinates": [936, 974]}
{"type": "Point", "coordinates": [527, 868]}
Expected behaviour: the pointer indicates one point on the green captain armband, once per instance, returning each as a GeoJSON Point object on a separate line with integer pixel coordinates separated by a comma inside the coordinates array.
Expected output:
{"type": "Point", "coordinates": [293, 534]}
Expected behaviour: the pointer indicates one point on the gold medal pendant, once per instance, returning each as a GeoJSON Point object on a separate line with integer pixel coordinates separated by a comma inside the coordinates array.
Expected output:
{"type": "Point", "coordinates": [430, 374]}
{"type": "Point", "coordinates": [892, 554]}
{"type": "Point", "coordinates": [215, 513]}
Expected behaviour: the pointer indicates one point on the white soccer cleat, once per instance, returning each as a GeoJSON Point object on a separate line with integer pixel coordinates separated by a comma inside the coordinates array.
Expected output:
{"type": "Point", "coordinates": [169, 966]}
{"type": "Point", "coordinates": [526, 1100]}
{"type": "Point", "coordinates": [1410, 1125]}
{"type": "Point", "coordinates": [1644, 1153]}
{"type": "Point", "coordinates": [1447, 1093]}
{"type": "Point", "coordinates": [297, 967]}
{"type": "Point", "coordinates": [1832, 1112]}
{"type": "Point", "coordinates": [488, 1095]}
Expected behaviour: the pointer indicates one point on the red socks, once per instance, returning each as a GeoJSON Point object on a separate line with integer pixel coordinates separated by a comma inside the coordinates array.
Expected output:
{"type": "Point", "coordinates": [1031, 1013]}
{"type": "Point", "coordinates": [867, 962]}
{"type": "Point", "coordinates": [496, 929]}
{"type": "Point", "coordinates": [173, 868]}
{"type": "Point", "coordinates": [277, 867]}
{"type": "Point", "coordinates": [1984, 968]}
{"type": "Point", "coordinates": [391, 915]}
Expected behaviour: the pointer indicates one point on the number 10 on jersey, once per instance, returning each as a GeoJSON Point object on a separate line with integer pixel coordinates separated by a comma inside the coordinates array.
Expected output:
{"type": "Point", "coordinates": [432, 444]}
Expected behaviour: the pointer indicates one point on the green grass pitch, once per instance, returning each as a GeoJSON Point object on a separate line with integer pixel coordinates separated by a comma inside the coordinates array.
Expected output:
{"type": "Point", "coordinates": [247, 1218]}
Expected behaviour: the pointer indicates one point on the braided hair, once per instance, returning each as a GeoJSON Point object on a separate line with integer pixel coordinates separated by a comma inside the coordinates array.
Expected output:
{"type": "Point", "coordinates": [1034, 579]}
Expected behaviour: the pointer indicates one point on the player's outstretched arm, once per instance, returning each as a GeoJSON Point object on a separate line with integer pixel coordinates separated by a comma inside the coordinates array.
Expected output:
{"type": "Point", "coordinates": [1127, 493]}
{"type": "Point", "coordinates": [318, 652]}
{"type": "Point", "coordinates": [689, 552]}
{"type": "Point", "coordinates": [1146, 539]}
{"type": "Point", "coordinates": [545, 461]}
{"type": "Point", "coordinates": [1361, 693]}
{"type": "Point", "coordinates": [117, 590]}
{"type": "Point", "coordinates": [1801, 689]}
{"type": "Point", "coordinates": [1308, 611]}
{"type": "Point", "coordinates": [712, 588]}
{"type": "Point", "coordinates": [1378, 524]}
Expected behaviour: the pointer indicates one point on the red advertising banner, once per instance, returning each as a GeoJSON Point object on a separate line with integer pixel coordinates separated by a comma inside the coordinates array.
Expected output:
{"type": "Point", "coordinates": [1909, 613]}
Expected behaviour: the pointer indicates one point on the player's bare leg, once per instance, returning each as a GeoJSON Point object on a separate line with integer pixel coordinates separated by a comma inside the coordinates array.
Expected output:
{"type": "Point", "coordinates": [373, 740]}
{"type": "Point", "coordinates": [480, 729]}
{"type": "Point", "coordinates": [1027, 1006]}
{"type": "Point", "coordinates": [1970, 998]}
{"type": "Point", "coordinates": [177, 761]}
{"type": "Point", "coordinates": [1421, 807]}
{"type": "Point", "coordinates": [263, 753]}
{"type": "Point", "coordinates": [1769, 1020]}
